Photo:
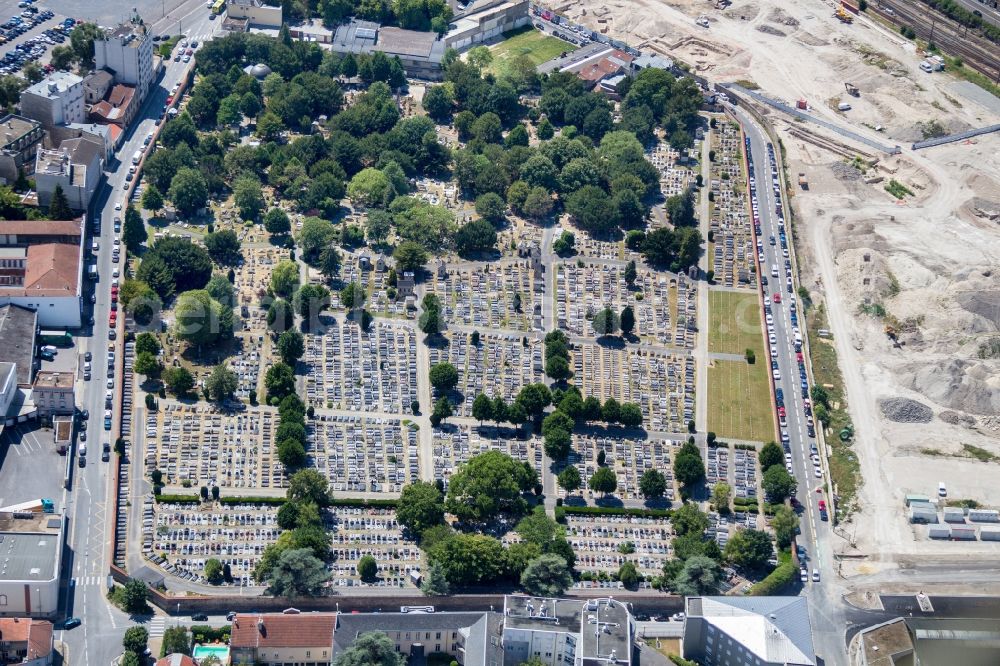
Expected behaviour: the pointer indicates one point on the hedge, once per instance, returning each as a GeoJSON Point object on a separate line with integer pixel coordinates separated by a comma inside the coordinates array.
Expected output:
{"type": "Point", "coordinates": [252, 500]}
{"type": "Point", "coordinates": [782, 575]}
{"type": "Point", "coordinates": [178, 499]}
{"type": "Point", "coordinates": [617, 511]}
{"type": "Point", "coordinates": [681, 661]}
{"type": "Point", "coordinates": [202, 633]}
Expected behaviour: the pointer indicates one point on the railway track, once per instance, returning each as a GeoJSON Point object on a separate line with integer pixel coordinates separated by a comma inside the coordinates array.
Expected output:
{"type": "Point", "coordinates": [978, 53]}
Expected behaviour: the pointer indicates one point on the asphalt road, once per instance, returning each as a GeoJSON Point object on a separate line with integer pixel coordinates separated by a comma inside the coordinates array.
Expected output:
{"type": "Point", "coordinates": [826, 607]}
{"type": "Point", "coordinates": [98, 640]}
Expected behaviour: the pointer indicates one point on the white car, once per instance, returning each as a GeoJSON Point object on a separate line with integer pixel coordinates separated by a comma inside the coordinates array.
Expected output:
{"type": "Point", "coordinates": [817, 472]}
{"type": "Point", "coordinates": [117, 242]}
{"type": "Point", "coordinates": [118, 206]}
{"type": "Point", "coordinates": [111, 383]}
{"type": "Point", "coordinates": [776, 374]}
{"type": "Point", "coordinates": [116, 272]}
{"type": "Point", "coordinates": [770, 319]}
{"type": "Point", "coordinates": [772, 339]}
{"type": "Point", "coordinates": [774, 350]}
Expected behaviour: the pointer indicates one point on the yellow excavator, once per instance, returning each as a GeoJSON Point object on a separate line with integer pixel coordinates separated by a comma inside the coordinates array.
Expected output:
{"type": "Point", "coordinates": [843, 15]}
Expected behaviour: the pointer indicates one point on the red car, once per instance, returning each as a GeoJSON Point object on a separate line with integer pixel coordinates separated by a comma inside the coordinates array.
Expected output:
{"type": "Point", "coordinates": [781, 412]}
{"type": "Point", "coordinates": [822, 505]}
{"type": "Point", "coordinates": [776, 298]}
{"type": "Point", "coordinates": [799, 357]}
{"type": "Point", "coordinates": [112, 318]}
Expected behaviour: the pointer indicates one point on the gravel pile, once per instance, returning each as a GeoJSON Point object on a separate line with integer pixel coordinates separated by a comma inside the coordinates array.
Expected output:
{"type": "Point", "coordinates": [956, 418]}
{"type": "Point", "coordinates": [845, 171]}
{"type": "Point", "coordinates": [770, 30]}
{"type": "Point", "coordinates": [904, 410]}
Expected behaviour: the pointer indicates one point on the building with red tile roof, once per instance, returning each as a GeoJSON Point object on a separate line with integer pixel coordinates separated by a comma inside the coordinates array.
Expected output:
{"type": "Point", "coordinates": [25, 641]}
{"type": "Point", "coordinates": [177, 659]}
{"type": "Point", "coordinates": [273, 639]}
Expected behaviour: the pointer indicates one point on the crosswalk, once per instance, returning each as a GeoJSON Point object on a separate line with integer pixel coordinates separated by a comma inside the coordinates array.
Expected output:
{"type": "Point", "coordinates": [156, 626]}
{"type": "Point", "coordinates": [81, 581]}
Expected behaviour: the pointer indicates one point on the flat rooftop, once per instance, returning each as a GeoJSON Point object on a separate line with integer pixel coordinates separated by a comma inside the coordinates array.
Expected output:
{"type": "Point", "coordinates": [29, 548]}
{"type": "Point", "coordinates": [14, 127]}
{"type": "Point", "coordinates": [61, 380]}
{"type": "Point", "coordinates": [541, 614]}
{"type": "Point", "coordinates": [54, 85]}
{"type": "Point", "coordinates": [607, 631]}
{"type": "Point", "coordinates": [17, 339]}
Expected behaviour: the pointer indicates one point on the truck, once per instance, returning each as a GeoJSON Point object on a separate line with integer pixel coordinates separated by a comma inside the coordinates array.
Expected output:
{"type": "Point", "coordinates": [34, 506]}
{"type": "Point", "coordinates": [137, 157]}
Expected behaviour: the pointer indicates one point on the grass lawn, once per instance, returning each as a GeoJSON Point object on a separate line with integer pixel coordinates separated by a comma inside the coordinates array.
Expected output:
{"type": "Point", "coordinates": [739, 402]}
{"type": "Point", "coordinates": [734, 323]}
{"type": "Point", "coordinates": [527, 41]}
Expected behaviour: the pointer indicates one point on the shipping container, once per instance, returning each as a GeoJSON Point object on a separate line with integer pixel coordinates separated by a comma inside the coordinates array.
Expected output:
{"type": "Point", "coordinates": [910, 499]}
{"type": "Point", "coordinates": [920, 514]}
{"type": "Point", "coordinates": [939, 532]}
{"type": "Point", "coordinates": [984, 515]}
{"type": "Point", "coordinates": [954, 515]}
{"type": "Point", "coordinates": [990, 534]}
{"type": "Point", "coordinates": [963, 532]}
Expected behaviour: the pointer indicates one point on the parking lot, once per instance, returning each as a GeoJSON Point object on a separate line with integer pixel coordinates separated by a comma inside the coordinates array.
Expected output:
{"type": "Point", "coordinates": [28, 34]}
{"type": "Point", "coordinates": [31, 467]}
{"type": "Point", "coordinates": [500, 365]}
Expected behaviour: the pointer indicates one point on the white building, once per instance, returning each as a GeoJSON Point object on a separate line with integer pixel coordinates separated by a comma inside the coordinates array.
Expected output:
{"type": "Point", "coordinates": [127, 52]}
{"type": "Point", "coordinates": [748, 631]}
{"type": "Point", "coordinates": [55, 100]}
{"type": "Point", "coordinates": [41, 269]}
{"type": "Point", "coordinates": [31, 546]}
{"type": "Point", "coordinates": [76, 166]}
{"type": "Point", "coordinates": [486, 20]}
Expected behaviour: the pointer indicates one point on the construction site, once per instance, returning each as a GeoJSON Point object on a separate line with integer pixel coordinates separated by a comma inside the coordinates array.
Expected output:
{"type": "Point", "coordinates": [898, 248]}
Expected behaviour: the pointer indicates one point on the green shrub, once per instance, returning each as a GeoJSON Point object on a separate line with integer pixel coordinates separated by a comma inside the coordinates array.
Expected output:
{"type": "Point", "coordinates": [613, 511]}
{"type": "Point", "coordinates": [179, 499]}
{"type": "Point", "coordinates": [783, 575]}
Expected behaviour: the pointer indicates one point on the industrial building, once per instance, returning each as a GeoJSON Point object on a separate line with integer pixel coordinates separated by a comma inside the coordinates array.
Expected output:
{"type": "Point", "coordinates": [41, 271]}
{"type": "Point", "coordinates": [748, 631]}
{"type": "Point", "coordinates": [254, 13]}
{"type": "Point", "coordinates": [31, 550]}
{"type": "Point", "coordinates": [420, 53]}
{"type": "Point", "coordinates": [483, 21]}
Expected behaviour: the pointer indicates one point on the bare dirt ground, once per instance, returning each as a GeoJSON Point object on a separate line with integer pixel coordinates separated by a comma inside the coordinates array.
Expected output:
{"type": "Point", "coordinates": [931, 262]}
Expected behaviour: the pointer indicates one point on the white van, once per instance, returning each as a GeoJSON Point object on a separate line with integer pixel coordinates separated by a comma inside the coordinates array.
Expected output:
{"type": "Point", "coordinates": [83, 450]}
{"type": "Point", "coordinates": [774, 270]}
{"type": "Point", "coordinates": [942, 489]}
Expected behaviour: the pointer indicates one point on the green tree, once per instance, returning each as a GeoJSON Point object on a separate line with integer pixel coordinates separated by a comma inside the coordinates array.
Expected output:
{"type": "Point", "coordinates": [770, 454]}
{"type": "Point", "coordinates": [628, 575]}
{"type": "Point", "coordinates": [565, 245]}
{"type": "Point", "coordinates": [442, 410]}
{"type": "Point", "coordinates": [280, 315]}
{"type": "Point", "coordinates": [59, 208]}
{"type": "Point", "coordinates": [179, 380]}
{"type": "Point", "coordinates": [627, 320]}
{"type": "Point", "coordinates": [224, 247]}
{"type": "Point", "coordinates": [479, 57]}
{"type": "Point", "coordinates": [213, 571]}
{"type": "Point", "coordinates": [276, 222]}
{"type": "Point", "coordinates": [147, 364]}
{"type": "Point", "coordinates": [135, 640]}
{"type": "Point", "coordinates": [188, 190]}
{"type": "Point", "coordinates": [603, 481]}
{"type": "Point", "coordinates": [785, 524]}
{"type": "Point", "coordinates": [606, 322]}
{"type": "Point", "coordinates": [222, 383]}
{"type": "Point", "coordinates": [469, 559]}
{"type": "Point", "coordinates": [438, 102]}
{"type": "Point", "coordinates": [488, 484]}
{"type": "Point", "coordinates": [315, 236]}
{"type": "Point", "coordinates": [443, 377]}
{"type": "Point", "coordinates": [248, 197]}
{"type": "Point", "coordinates": [146, 343]}
{"type": "Point", "coordinates": [435, 584]}
{"type": "Point", "coordinates": [491, 207]}
{"type": "Point", "coordinates": [652, 484]}
{"type": "Point", "coordinates": [368, 569]}
{"type": "Point", "coordinates": [592, 209]}
{"type": "Point", "coordinates": [778, 484]}
{"type": "Point", "coordinates": [430, 318]}
{"type": "Point", "coordinates": [569, 479]}
{"type": "Point", "coordinates": [152, 199]}
{"type": "Point", "coordinates": [134, 597]}
{"type": "Point", "coordinates": [689, 519]}
{"type": "Point", "coordinates": [291, 346]}
{"type": "Point", "coordinates": [352, 296]}
{"type": "Point", "coordinates": [534, 398]}
{"type": "Point", "coordinates": [370, 649]}
{"type": "Point", "coordinates": [369, 187]}
{"type": "Point", "coordinates": [309, 486]}
{"type": "Point", "coordinates": [630, 415]}
{"type": "Point", "coordinates": [680, 209]}
{"type": "Point", "coordinates": [297, 573]}
{"type": "Point", "coordinates": [421, 505]}
{"type": "Point", "coordinates": [176, 640]}
{"type": "Point", "coordinates": [475, 237]}
{"type": "Point", "coordinates": [699, 575]}
{"type": "Point", "coordinates": [201, 320]}
{"type": "Point", "coordinates": [291, 453]}
{"type": "Point", "coordinates": [309, 301]}
{"type": "Point", "coordinates": [329, 263]}
{"type": "Point", "coordinates": [547, 576]}
{"type": "Point", "coordinates": [557, 367]}
{"type": "Point", "coordinates": [133, 230]}
{"type": "Point", "coordinates": [279, 381]}
{"type": "Point", "coordinates": [557, 430]}
{"type": "Point", "coordinates": [410, 256]}
{"type": "Point", "coordinates": [750, 549]}
{"type": "Point", "coordinates": [689, 468]}
{"type": "Point", "coordinates": [482, 408]}
{"type": "Point", "coordinates": [721, 493]}
{"type": "Point", "coordinates": [285, 277]}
